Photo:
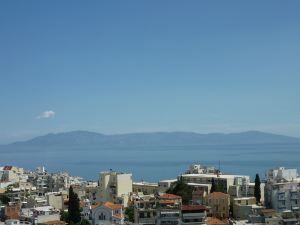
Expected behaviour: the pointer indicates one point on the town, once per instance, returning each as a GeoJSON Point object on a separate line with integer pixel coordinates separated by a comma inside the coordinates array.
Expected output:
{"type": "Point", "coordinates": [200, 195]}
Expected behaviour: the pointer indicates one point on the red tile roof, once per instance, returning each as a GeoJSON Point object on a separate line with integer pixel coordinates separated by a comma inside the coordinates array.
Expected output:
{"type": "Point", "coordinates": [215, 221]}
{"type": "Point", "coordinates": [169, 196]}
{"type": "Point", "coordinates": [118, 216]}
{"type": "Point", "coordinates": [112, 205]}
{"type": "Point", "coordinates": [7, 168]}
{"type": "Point", "coordinates": [217, 195]}
{"type": "Point", "coordinates": [193, 207]}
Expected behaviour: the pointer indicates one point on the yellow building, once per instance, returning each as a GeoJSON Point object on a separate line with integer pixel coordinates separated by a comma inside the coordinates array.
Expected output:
{"type": "Point", "coordinates": [242, 207]}
{"type": "Point", "coordinates": [218, 204]}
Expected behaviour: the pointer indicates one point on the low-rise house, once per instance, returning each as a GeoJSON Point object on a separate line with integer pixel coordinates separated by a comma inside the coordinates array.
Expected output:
{"type": "Point", "coordinates": [16, 222]}
{"type": "Point", "coordinates": [218, 204]}
{"type": "Point", "coordinates": [86, 209]}
{"type": "Point", "coordinates": [108, 213]}
{"type": "Point", "coordinates": [242, 207]}
{"type": "Point", "coordinates": [56, 222]}
{"type": "Point", "coordinates": [216, 221]}
{"type": "Point", "coordinates": [284, 218]}
{"type": "Point", "coordinates": [40, 214]}
{"type": "Point", "coordinates": [193, 215]}
{"type": "Point", "coordinates": [12, 211]}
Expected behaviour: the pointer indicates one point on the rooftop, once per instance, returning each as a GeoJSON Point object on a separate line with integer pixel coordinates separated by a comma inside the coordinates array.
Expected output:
{"type": "Point", "coordinates": [217, 195]}
{"type": "Point", "coordinates": [193, 207]}
{"type": "Point", "coordinates": [169, 196]}
{"type": "Point", "coordinates": [111, 205]}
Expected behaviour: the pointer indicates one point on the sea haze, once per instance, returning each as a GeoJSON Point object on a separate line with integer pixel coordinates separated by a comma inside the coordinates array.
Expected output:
{"type": "Point", "coordinates": [153, 156]}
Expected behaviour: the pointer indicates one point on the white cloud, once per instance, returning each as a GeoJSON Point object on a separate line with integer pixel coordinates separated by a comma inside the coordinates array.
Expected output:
{"type": "Point", "coordinates": [46, 115]}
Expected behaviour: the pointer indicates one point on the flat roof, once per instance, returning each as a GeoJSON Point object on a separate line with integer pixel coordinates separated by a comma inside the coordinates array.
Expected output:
{"type": "Point", "coordinates": [213, 175]}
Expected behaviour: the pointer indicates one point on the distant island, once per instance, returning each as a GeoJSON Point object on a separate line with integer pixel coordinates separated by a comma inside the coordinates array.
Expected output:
{"type": "Point", "coordinates": [93, 139]}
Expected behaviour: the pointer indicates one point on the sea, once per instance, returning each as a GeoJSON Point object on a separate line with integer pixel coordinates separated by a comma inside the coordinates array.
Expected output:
{"type": "Point", "coordinates": [157, 162]}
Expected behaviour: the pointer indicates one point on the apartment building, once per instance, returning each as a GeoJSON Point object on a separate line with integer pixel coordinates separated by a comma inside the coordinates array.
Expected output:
{"type": "Point", "coordinates": [218, 205]}
{"type": "Point", "coordinates": [282, 190]}
{"type": "Point", "coordinates": [114, 187]}
{"type": "Point", "coordinates": [145, 187]}
{"type": "Point", "coordinates": [193, 215]}
{"type": "Point", "coordinates": [222, 181]}
{"type": "Point", "coordinates": [168, 210]}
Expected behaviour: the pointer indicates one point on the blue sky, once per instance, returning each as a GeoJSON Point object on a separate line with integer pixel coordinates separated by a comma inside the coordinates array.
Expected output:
{"type": "Point", "coordinates": [135, 66]}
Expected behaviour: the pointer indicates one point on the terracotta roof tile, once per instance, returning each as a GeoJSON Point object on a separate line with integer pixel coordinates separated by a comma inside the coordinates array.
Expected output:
{"type": "Point", "coordinates": [193, 207]}
{"type": "Point", "coordinates": [217, 195]}
{"type": "Point", "coordinates": [169, 196]}
{"type": "Point", "coordinates": [215, 221]}
{"type": "Point", "coordinates": [111, 205]}
{"type": "Point", "coordinates": [118, 216]}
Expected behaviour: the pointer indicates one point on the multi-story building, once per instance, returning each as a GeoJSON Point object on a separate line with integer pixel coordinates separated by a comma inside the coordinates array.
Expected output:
{"type": "Point", "coordinates": [168, 210]}
{"type": "Point", "coordinates": [145, 187]}
{"type": "Point", "coordinates": [144, 210]}
{"type": "Point", "coordinates": [220, 180]}
{"type": "Point", "coordinates": [114, 186]}
{"type": "Point", "coordinates": [201, 169]}
{"type": "Point", "coordinates": [164, 185]}
{"type": "Point", "coordinates": [282, 190]}
{"type": "Point", "coordinates": [193, 215]}
{"type": "Point", "coordinates": [218, 204]}
{"type": "Point", "coordinates": [243, 206]}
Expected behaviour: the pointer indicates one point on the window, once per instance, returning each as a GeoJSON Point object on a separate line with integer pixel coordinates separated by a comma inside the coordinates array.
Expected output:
{"type": "Point", "coordinates": [101, 216]}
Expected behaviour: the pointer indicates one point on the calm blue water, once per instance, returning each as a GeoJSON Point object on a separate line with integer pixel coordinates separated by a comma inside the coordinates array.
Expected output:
{"type": "Point", "coordinates": [155, 163]}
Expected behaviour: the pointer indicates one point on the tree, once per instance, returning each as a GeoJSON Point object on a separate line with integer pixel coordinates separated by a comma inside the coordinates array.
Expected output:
{"type": "Point", "coordinates": [84, 222]}
{"type": "Point", "coordinates": [181, 189]}
{"type": "Point", "coordinates": [257, 193]}
{"type": "Point", "coordinates": [73, 209]}
{"type": "Point", "coordinates": [129, 212]}
{"type": "Point", "coordinates": [213, 186]}
{"type": "Point", "coordinates": [4, 199]}
{"type": "Point", "coordinates": [64, 216]}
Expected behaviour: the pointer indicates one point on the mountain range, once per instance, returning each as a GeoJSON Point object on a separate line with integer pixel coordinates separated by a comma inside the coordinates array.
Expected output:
{"type": "Point", "coordinates": [93, 139]}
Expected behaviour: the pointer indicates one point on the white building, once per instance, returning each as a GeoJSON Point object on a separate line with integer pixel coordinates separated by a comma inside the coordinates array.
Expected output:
{"type": "Point", "coordinates": [164, 185]}
{"type": "Point", "coordinates": [114, 187]}
{"type": "Point", "coordinates": [220, 179]}
{"type": "Point", "coordinates": [281, 173]}
{"type": "Point", "coordinates": [282, 190]}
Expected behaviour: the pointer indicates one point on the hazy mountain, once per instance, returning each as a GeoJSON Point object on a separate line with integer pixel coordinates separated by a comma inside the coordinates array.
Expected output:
{"type": "Point", "coordinates": [92, 139]}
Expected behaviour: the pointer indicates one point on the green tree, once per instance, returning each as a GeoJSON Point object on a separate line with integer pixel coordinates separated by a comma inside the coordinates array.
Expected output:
{"type": "Point", "coordinates": [129, 212]}
{"type": "Point", "coordinates": [73, 209]}
{"type": "Point", "coordinates": [84, 222]}
{"type": "Point", "coordinates": [213, 186]}
{"type": "Point", "coordinates": [64, 216]}
{"type": "Point", "coordinates": [4, 199]}
{"type": "Point", "coordinates": [257, 192]}
{"type": "Point", "coordinates": [181, 189]}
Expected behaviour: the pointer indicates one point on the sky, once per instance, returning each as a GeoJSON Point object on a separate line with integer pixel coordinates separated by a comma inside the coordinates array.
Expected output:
{"type": "Point", "coordinates": [142, 66]}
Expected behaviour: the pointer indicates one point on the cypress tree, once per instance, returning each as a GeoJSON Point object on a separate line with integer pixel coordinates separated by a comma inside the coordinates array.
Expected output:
{"type": "Point", "coordinates": [73, 209]}
{"type": "Point", "coordinates": [213, 186]}
{"type": "Point", "coordinates": [257, 193]}
{"type": "Point", "coordinates": [181, 189]}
